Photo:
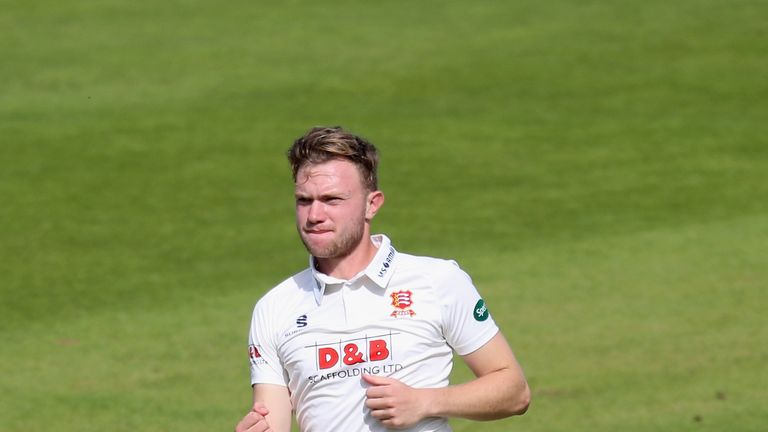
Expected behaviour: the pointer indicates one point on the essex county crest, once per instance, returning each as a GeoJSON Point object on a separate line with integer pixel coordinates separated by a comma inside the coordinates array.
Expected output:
{"type": "Point", "coordinates": [402, 301]}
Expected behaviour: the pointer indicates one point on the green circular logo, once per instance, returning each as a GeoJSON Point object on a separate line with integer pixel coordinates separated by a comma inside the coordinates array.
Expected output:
{"type": "Point", "coordinates": [481, 311]}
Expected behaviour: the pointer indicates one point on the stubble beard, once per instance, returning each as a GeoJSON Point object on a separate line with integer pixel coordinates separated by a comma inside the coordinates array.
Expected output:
{"type": "Point", "coordinates": [341, 246]}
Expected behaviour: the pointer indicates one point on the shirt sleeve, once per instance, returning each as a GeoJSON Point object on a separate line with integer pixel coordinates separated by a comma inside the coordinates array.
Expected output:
{"type": "Point", "coordinates": [266, 367]}
{"type": "Point", "coordinates": [467, 322]}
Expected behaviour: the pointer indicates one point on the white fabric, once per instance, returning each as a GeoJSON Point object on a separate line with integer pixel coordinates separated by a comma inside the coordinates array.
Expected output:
{"type": "Point", "coordinates": [401, 317]}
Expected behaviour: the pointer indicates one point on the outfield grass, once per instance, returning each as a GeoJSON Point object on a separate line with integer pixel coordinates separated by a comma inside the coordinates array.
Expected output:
{"type": "Point", "coordinates": [600, 169]}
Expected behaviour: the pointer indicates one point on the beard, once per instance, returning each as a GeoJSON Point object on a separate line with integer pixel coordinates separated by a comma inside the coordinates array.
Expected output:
{"type": "Point", "coordinates": [341, 245]}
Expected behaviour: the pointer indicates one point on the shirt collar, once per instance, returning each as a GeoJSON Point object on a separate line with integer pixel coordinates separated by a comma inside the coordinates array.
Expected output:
{"type": "Point", "coordinates": [379, 270]}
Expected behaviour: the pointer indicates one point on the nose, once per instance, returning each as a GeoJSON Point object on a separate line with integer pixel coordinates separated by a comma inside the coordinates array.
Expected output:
{"type": "Point", "coordinates": [316, 214]}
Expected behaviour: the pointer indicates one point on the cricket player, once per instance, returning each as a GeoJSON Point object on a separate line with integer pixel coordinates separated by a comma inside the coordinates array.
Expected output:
{"type": "Point", "coordinates": [363, 339]}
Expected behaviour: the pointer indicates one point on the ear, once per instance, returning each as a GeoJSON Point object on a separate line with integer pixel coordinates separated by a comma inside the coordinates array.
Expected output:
{"type": "Point", "coordinates": [373, 203]}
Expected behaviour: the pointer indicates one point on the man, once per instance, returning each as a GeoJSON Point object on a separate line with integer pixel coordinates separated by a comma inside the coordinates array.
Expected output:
{"type": "Point", "coordinates": [363, 339]}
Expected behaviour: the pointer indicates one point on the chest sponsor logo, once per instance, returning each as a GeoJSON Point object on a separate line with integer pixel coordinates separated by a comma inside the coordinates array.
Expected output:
{"type": "Point", "coordinates": [353, 351]}
{"type": "Point", "coordinates": [481, 311]}
{"type": "Point", "coordinates": [353, 357]}
{"type": "Point", "coordinates": [402, 301]}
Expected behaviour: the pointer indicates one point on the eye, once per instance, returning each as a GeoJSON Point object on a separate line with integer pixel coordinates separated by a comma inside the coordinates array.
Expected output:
{"type": "Point", "coordinates": [303, 201]}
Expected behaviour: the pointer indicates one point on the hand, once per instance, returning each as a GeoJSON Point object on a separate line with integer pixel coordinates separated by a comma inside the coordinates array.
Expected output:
{"type": "Point", "coordinates": [255, 421]}
{"type": "Point", "coordinates": [393, 403]}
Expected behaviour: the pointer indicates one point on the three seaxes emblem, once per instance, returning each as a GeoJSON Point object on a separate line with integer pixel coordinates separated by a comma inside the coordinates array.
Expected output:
{"type": "Point", "coordinates": [402, 301]}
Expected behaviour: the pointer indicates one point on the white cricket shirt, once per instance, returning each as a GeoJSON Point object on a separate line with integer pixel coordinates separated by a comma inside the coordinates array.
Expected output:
{"type": "Point", "coordinates": [401, 317]}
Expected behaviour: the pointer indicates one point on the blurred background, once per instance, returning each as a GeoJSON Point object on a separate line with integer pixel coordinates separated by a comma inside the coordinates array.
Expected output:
{"type": "Point", "coordinates": [599, 168]}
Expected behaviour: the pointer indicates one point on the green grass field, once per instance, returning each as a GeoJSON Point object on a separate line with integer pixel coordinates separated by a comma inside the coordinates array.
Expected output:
{"type": "Point", "coordinates": [600, 168]}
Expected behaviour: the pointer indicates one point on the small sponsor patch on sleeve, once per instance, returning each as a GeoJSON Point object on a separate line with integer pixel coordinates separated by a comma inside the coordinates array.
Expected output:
{"type": "Point", "coordinates": [481, 311]}
{"type": "Point", "coordinates": [254, 355]}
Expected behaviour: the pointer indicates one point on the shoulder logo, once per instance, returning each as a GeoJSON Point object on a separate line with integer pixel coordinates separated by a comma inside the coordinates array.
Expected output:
{"type": "Point", "coordinates": [301, 321]}
{"type": "Point", "coordinates": [481, 311]}
{"type": "Point", "coordinates": [254, 355]}
{"type": "Point", "coordinates": [402, 300]}
{"type": "Point", "coordinates": [253, 352]}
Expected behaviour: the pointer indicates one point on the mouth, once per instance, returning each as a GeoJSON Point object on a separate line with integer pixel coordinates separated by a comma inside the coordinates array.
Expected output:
{"type": "Point", "coordinates": [316, 231]}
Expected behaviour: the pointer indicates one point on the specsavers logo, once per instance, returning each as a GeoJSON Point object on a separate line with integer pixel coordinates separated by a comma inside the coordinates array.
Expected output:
{"type": "Point", "coordinates": [481, 311]}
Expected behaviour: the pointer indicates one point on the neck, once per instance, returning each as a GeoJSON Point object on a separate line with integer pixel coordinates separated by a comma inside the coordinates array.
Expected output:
{"type": "Point", "coordinates": [348, 266]}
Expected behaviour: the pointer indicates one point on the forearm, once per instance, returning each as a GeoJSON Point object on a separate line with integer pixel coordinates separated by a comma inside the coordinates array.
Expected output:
{"type": "Point", "coordinates": [499, 394]}
{"type": "Point", "coordinates": [499, 390]}
{"type": "Point", "coordinates": [277, 400]}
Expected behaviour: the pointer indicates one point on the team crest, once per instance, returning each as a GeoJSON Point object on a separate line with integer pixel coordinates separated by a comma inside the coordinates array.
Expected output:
{"type": "Point", "coordinates": [402, 301]}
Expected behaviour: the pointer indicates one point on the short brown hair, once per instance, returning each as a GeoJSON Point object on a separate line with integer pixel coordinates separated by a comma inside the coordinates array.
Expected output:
{"type": "Point", "coordinates": [321, 144]}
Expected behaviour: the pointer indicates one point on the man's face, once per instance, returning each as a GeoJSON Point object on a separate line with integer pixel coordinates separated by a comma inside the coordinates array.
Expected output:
{"type": "Point", "coordinates": [330, 208]}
